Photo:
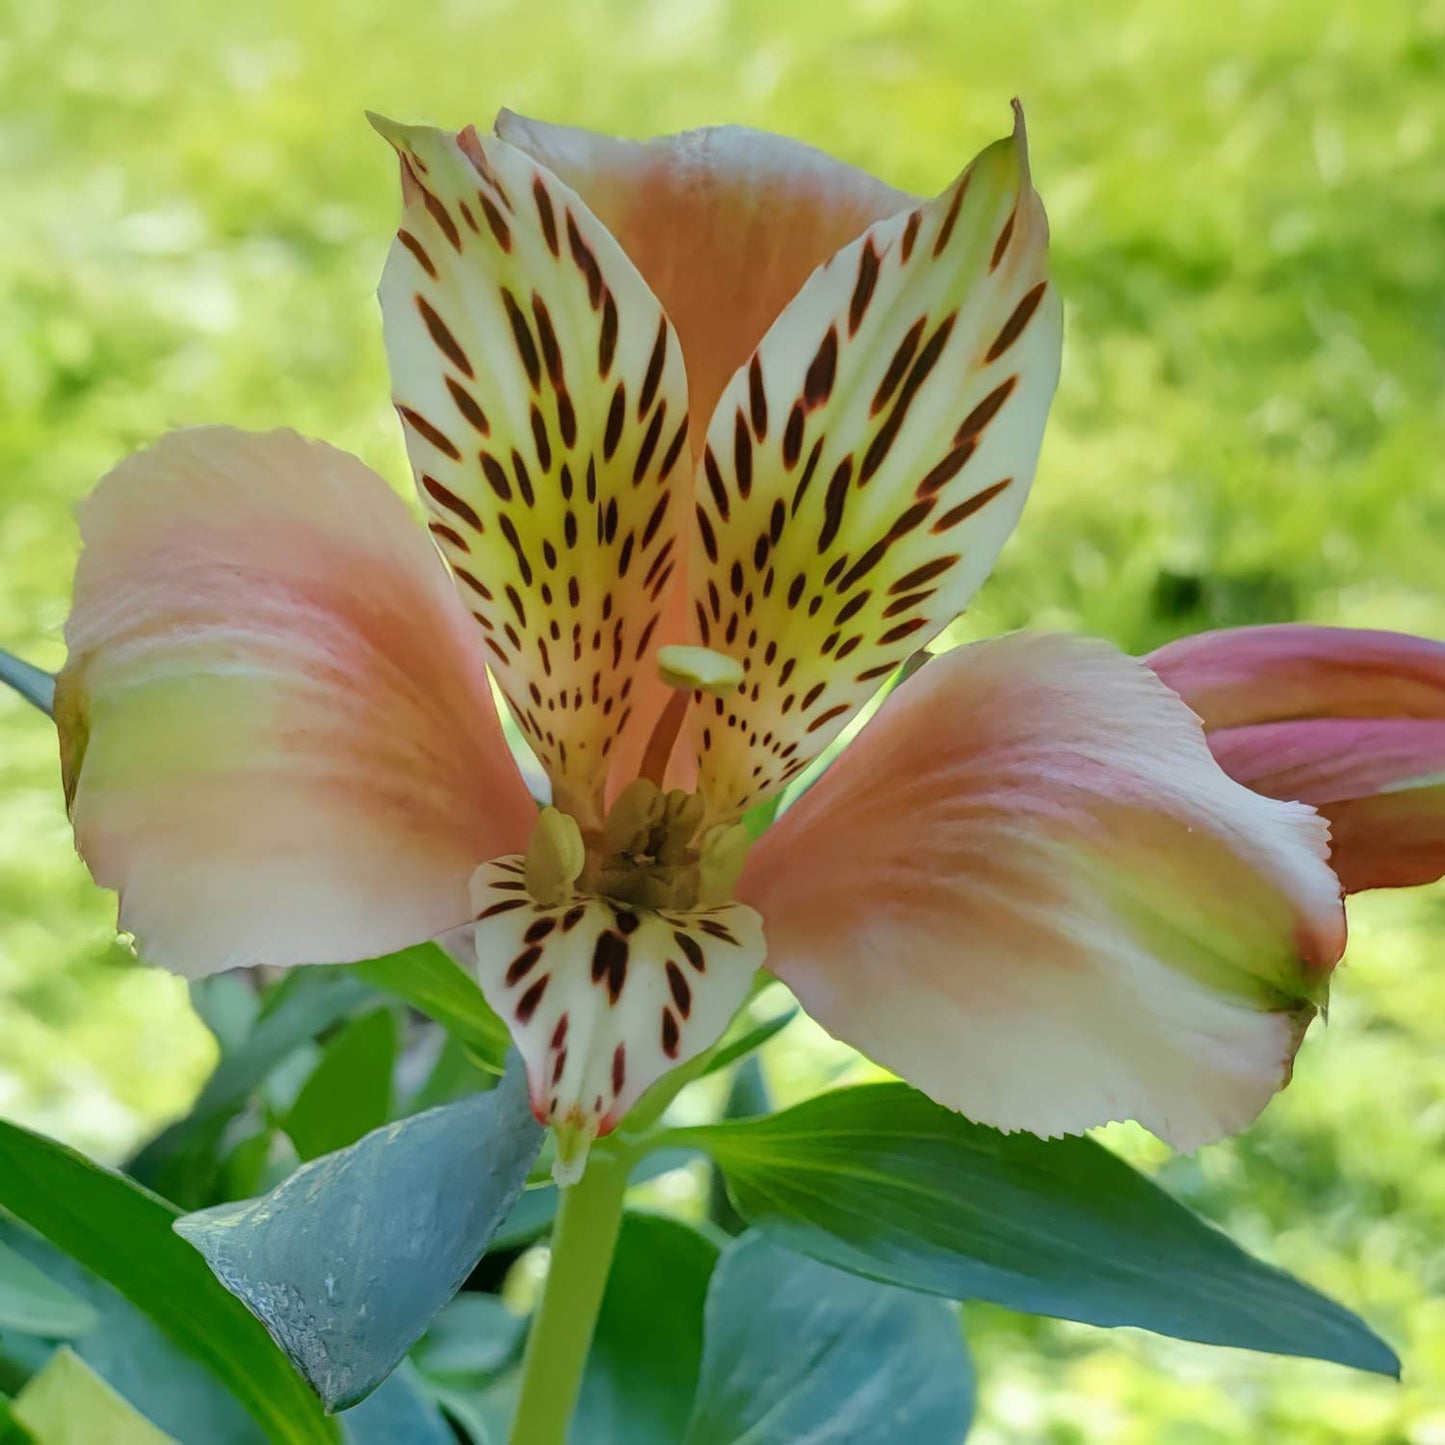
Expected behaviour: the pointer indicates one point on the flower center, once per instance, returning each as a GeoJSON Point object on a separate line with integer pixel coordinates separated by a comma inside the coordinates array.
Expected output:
{"type": "Point", "coordinates": [652, 852]}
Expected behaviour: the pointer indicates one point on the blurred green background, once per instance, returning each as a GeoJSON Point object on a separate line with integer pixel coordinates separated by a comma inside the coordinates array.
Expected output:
{"type": "Point", "coordinates": [1248, 206]}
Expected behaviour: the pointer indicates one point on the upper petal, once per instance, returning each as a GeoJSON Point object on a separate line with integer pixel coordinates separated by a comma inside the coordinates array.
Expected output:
{"type": "Point", "coordinates": [725, 224]}
{"type": "Point", "coordinates": [278, 736]}
{"type": "Point", "coordinates": [545, 408]}
{"type": "Point", "coordinates": [864, 468]}
{"type": "Point", "coordinates": [1029, 890]}
{"type": "Point", "coordinates": [1348, 720]}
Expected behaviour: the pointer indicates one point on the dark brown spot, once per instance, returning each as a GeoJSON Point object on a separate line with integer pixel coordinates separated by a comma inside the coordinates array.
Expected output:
{"type": "Point", "coordinates": [904, 629]}
{"type": "Point", "coordinates": [546, 215]}
{"type": "Point", "coordinates": [669, 1034]}
{"type": "Point", "coordinates": [793, 436]}
{"type": "Point", "coordinates": [467, 405]}
{"type": "Point", "coordinates": [619, 1068]}
{"type": "Point", "coordinates": [609, 962]}
{"type": "Point", "coordinates": [445, 497]}
{"type": "Point", "coordinates": [1004, 236]}
{"type": "Point", "coordinates": [946, 230]}
{"type": "Point", "coordinates": [480, 588]}
{"type": "Point", "coordinates": [496, 476]}
{"type": "Point", "coordinates": [537, 931]}
{"type": "Point", "coordinates": [743, 456]}
{"type": "Point", "coordinates": [1014, 326]}
{"type": "Point", "coordinates": [615, 417]}
{"type": "Point", "coordinates": [715, 483]}
{"type": "Point", "coordinates": [926, 573]}
{"type": "Point", "coordinates": [551, 352]}
{"type": "Point", "coordinates": [680, 988]}
{"type": "Point", "coordinates": [505, 906]}
{"type": "Point", "coordinates": [500, 230]}
{"type": "Point", "coordinates": [822, 371]}
{"type": "Point", "coordinates": [967, 509]}
{"type": "Point", "coordinates": [674, 450]}
{"type": "Point", "coordinates": [691, 948]}
{"type": "Point", "coordinates": [898, 366]}
{"type": "Point", "coordinates": [653, 378]}
{"type": "Point", "coordinates": [649, 444]}
{"type": "Point", "coordinates": [706, 533]}
{"type": "Point", "coordinates": [438, 213]}
{"type": "Point", "coordinates": [757, 397]}
{"type": "Point", "coordinates": [441, 334]}
{"type": "Point", "coordinates": [918, 374]}
{"type": "Point", "coordinates": [863, 287]}
{"type": "Point", "coordinates": [573, 917]}
{"type": "Point", "coordinates": [585, 262]}
{"type": "Point", "coordinates": [910, 234]}
{"type": "Point", "coordinates": [419, 251]}
{"type": "Point", "coordinates": [833, 503]}
{"type": "Point", "coordinates": [523, 964]}
{"type": "Point", "coordinates": [527, 1004]}
{"type": "Point", "coordinates": [522, 335]}
{"type": "Point", "coordinates": [541, 441]}
{"type": "Point", "coordinates": [448, 534]}
{"type": "Point", "coordinates": [423, 428]}
{"type": "Point", "coordinates": [607, 338]}
{"type": "Point", "coordinates": [826, 717]}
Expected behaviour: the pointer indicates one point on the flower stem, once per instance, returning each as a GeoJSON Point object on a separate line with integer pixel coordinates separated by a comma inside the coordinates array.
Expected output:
{"type": "Point", "coordinates": [583, 1241]}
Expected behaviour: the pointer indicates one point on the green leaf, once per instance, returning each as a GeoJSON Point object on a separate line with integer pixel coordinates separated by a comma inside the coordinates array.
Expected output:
{"type": "Point", "coordinates": [881, 1181]}
{"type": "Point", "coordinates": [470, 1342]}
{"type": "Point", "coordinates": [643, 1369]}
{"type": "Point", "coordinates": [800, 1354]}
{"type": "Point", "coordinates": [431, 981]}
{"type": "Point", "coordinates": [123, 1233]}
{"type": "Point", "coordinates": [67, 1403]}
{"type": "Point", "coordinates": [349, 1091]}
{"type": "Point", "coordinates": [184, 1161]}
{"type": "Point", "coordinates": [747, 1043]}
{"type": "Point", "coordinates": [176, 1392]}
{"type": "Point", "coordinates": [34, 1304]}
{"type": "Point", "coordinates": [347, 1261]}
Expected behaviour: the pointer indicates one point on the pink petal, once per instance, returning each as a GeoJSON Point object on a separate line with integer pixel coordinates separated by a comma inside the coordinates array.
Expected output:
{"type": "Point", "coordinates": [1350, 721]}
{"type": "Point", "coordinates": [1029, 890]}
{"type": "Point", "coordinates": [725, 225]}
{"type": "Point", "coordinates": [277, 730]}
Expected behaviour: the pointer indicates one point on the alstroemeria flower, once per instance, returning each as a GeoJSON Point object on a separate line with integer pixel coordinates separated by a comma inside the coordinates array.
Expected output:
{"type": "Point", "coordinates": [1348, 720]}
{"type": "Point", "coordinates": [1026, 887]}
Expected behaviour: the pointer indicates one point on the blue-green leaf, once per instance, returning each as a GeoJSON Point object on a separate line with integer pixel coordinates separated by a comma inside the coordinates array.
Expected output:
{"type": "Point", "coordinates": [347, 1261]}
{"type": "Point", "coordinates": [796, 1353]}
{"type": "Point", "coordinates": [32, 1303]}
{"type": "Point", "coordinates": [881, 1181]}
{"type": "Point", "coordinates": [398, 1413]}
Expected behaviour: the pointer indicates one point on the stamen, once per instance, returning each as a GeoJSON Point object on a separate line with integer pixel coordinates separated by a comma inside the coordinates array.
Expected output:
{"type": "Point", "coordinates": [689, 670]}
{"type": "Point", "coordinates": [555, 857]}
{"type": "Point", "coordinates": [664, 736]}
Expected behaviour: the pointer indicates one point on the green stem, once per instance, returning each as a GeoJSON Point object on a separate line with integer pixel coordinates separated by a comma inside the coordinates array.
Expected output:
{"type": "Point", "coordinates": [583, 1240]}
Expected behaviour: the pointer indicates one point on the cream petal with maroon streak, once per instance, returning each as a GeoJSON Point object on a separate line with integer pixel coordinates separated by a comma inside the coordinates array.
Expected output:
{"type": "Point", "coordinates": [603, 999]}
{"type": "Point", "coordinates": [863, 469]}
{"type": "Point", "coordinates": [724, 223]}
{"type": "Point", "coordinates": [544, 402]}
{"type": "Point", "coordinates": [277, 734]}
{"type": "Point", "coordinates": [1028, 889]}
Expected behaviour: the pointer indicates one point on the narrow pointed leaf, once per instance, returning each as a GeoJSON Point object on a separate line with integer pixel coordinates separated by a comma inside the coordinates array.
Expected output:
{"type": "Point", "coordinates": [122, 1233]}
{"type": "Point", "coordinates": [35, 685]}
{"type": "Point", "coordinates": [346, 1261]}
{"type": "Point", "coordinates": [435, 984]}
{"type": "Point", "coordinates": [796, 1353]}
{"type": "Point", "coordinates": [881, 1181]}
